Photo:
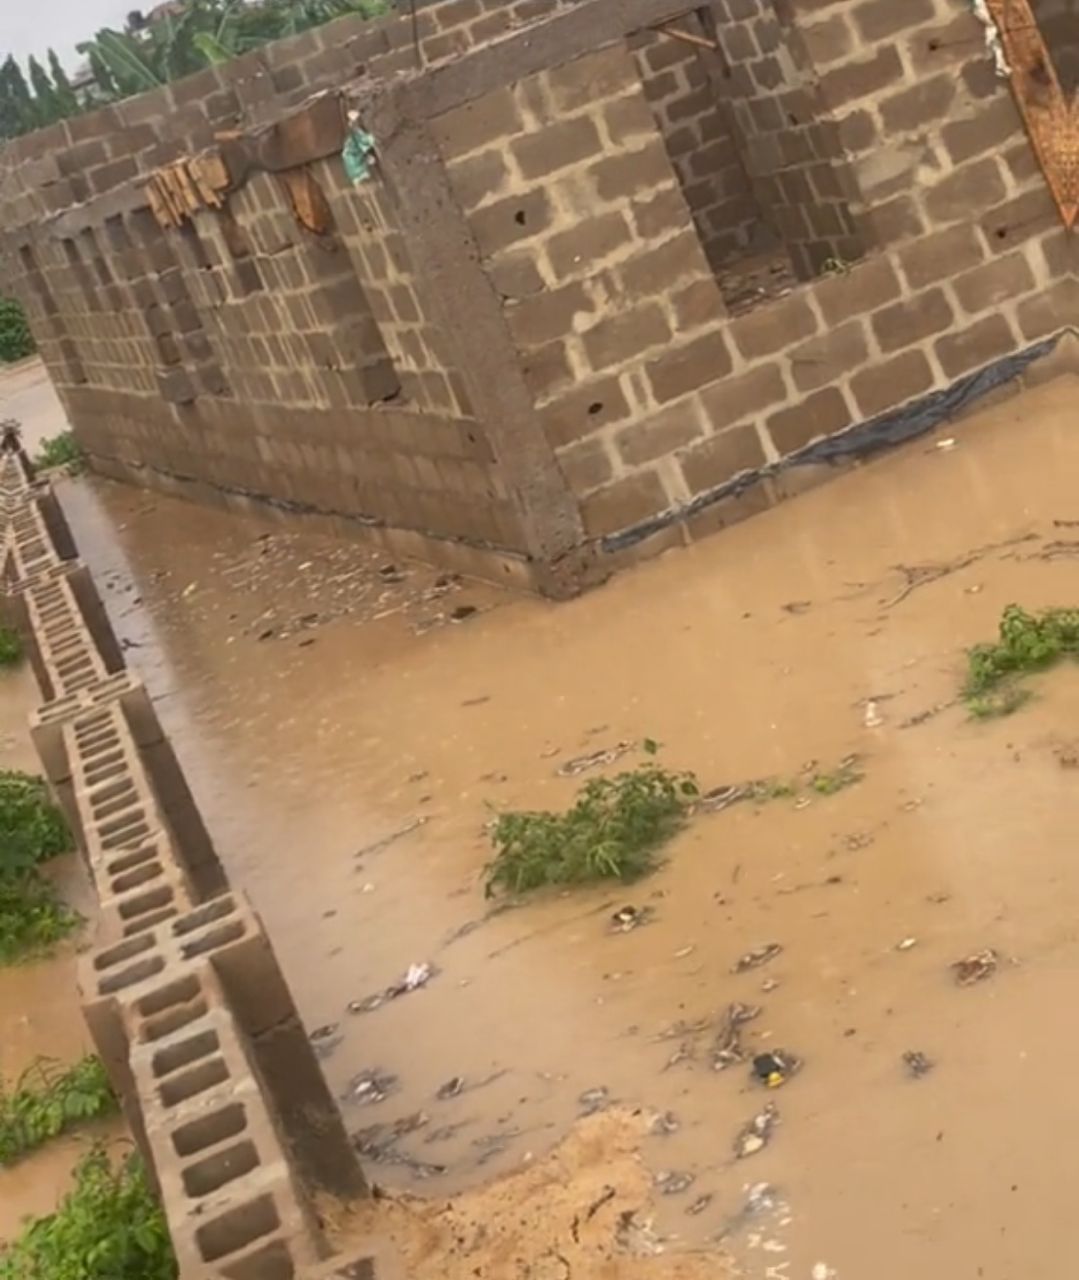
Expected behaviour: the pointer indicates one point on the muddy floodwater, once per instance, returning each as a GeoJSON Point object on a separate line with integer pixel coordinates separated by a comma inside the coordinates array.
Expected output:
{"type": "Point", "coordinates": [348, 741]}
{"type": "Point", "coordinates": [39, 1006]}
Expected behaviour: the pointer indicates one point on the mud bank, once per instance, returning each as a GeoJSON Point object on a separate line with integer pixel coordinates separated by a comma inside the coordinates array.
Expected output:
{"type": "Point", "coordinates": [347, 741]}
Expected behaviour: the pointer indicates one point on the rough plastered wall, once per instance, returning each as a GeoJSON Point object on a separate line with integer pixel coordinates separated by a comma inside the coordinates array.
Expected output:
{"type": "Point", "coordinates": [699, 134]}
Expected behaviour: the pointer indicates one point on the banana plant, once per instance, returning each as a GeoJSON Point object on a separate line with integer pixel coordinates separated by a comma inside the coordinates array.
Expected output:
{"type": "Point", "coordinates": [206, 33]}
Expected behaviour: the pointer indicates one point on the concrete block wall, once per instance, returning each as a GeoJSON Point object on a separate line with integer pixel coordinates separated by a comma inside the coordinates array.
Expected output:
{"type": "Point", "coordinates": [184, 999]}
{"type": "Point", "coordinates": [684, 86]}
{"type": "Point", "coordinates": [508, 351]}
{"type": "Point", "coordinates": [794, 157]}
{"type": "Point", "coordinates": [607, 291]}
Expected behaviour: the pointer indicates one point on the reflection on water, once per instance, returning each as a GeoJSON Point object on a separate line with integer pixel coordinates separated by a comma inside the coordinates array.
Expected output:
{"type": "Point", "coordinates": [348, 742]}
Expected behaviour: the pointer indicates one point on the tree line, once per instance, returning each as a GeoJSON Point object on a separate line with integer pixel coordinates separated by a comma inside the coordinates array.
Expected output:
{"type": "Point", "coordinates": [187, 38]}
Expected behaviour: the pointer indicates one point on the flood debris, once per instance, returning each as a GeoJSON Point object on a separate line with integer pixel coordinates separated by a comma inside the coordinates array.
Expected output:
{"type": "Point", "coordinates": [664, 1124]}
{"type": "Point", "coordinates": [594, 1100]}
{"type": "Point", "coordinates": [672, 1182]}
{"type": "Point", "coordinates": [755, 1135]}
{"type": "Point", "coordinates": [700, 1204]}
{"type": "Point", "coordinates": [637, 1236]}
{"type": "Point", "coordinates": [906, 944]}
{"type": "Point", "coordinates": [445, 1132]}
{"type": "Point", "coordinates": [774, 1068]}
{"type": "Point", "coordinates": [757, 957]}
{"type": "Point", "coordinates": [377, 846]}
{"type": "Point", "coordinates": [917, 1064]}
{"type": "Point", "coordinates": [324, 1040]}
{"type": "Point", "coordinates": [761, 1198]}
{"type": "Point", "coordinates": [920, 717]}
{"type": "Point", "coordinates": [378, 1143]}
{"type": "Point", "coordinates": [976, 967]}
{"type": "Point", "coordinates": [628, 918]}
{"type": "Point", "coordinates": [494, 1144]}
{"type": "Point", "coordinates": [415, 977]}
{"type": "Point", "coordinates": [593, 760]}
{"type": "Point", "coordinates": [727, 1049]}
{"type": "Point", "coordinates": [377, 1140]}
{"type": "Point", "coordinates": [451, 1089]}
{"type": "Point", "coordinates": [370, 1087]}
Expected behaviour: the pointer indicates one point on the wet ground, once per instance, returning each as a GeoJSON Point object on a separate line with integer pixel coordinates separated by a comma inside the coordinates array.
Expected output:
{"type": "Point", "coordinates": [348, 742]}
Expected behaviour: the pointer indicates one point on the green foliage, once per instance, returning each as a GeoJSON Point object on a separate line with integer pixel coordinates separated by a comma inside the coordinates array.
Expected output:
{"type": "Point", "coordinates": [66, 100]}
{"type": "Point", "coordinates": [59, 451]}
{"type": "Point", "coordinates": [46, 106]}
{"type": "Point", "coordinates": [129, 62]}
{"type": "Point", "coordinates": [206, 33]}
{"type": "Point", "coordinates": [845, 775]}
{"type": "Point", "coordinates": [823, 782]}
{"type": "Point", "coordinates": [1027, 642]}
{"type": "Point", "coordinates": [48, 1100]}
{"type": "Point", "coordinates": [16, 340]}
{"type": "Point", "coordinates": [17, 111]}
{"type": "Point", "coordinates": [32, 828]}
{"type": "Point", "coordinates": [612, 831]}
{"type": "Point", "coordinates": [32, 918]}
{"type": "Point", "coordinates": [108, 1227]}
{"type": "Point", "coordinates": [11, 652]}
{"type": "Point", "coordinates": [1000, 702]}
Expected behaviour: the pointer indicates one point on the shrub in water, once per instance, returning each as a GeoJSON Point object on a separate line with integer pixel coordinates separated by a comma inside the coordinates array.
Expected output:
{"type": "Point", "coordinates": [10, 647]}
{"type": "Point", "coordinates": [1027, 642]}
{"type": "Point", "coordinates": [59, 451]}
{"type": "Point", "coordinates": [16, 340]}
{"type": "Point", "coordinates": [108, 1227]}
{"type": "Point", "coordinates": [49, 1099]}
{"type": "Point", "coordinates": [612, 831]}
{"type": "Point", "coordinates": [32, 828]}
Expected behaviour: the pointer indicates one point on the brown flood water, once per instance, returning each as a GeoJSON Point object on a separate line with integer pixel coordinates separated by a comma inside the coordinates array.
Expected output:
{"type": "Point", "coordinates": [39, 1007]}
{"type": "Point", "coordinates": [348, 760]}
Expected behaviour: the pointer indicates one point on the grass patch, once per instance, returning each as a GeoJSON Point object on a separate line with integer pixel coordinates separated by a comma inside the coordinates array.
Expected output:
{"type": "Point", "coordinates": [108, 1227]}
{"type": "Point", "coordinates": [32, 918]}
{"type": "Point", "coordinates": [1026, 642]}
{"type": "Point", "coordinates": [824, 782]}
{"type": "Point", "coordinates": [612, 831]}
{"type": "Point", "coordinates": [59, 451]}
{"type": "Point", "coordinates": [11, 650]}
{"type": "Point", "coordinates": [828, 783]}
{"type": "Point", "coordinates": [32, 830]}
{"type": "Point", "coordinates": [1000, 702]}
{"type": "Point", "coordinates": [49, 1099]}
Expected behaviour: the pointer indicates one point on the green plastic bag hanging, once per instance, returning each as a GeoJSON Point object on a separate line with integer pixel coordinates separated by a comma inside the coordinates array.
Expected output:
{"type": "Point", "coordinates": [358, 153]}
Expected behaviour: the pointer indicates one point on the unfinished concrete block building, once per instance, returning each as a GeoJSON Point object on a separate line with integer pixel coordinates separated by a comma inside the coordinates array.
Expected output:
{"type": "Point", "coordinates": [624, 270]}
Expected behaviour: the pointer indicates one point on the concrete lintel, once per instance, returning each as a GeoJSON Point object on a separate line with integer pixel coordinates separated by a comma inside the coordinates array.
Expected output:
{"type": "Point", "coordinates": [129, 198]}
{"type": "Point", "coordinates": [588, 27]}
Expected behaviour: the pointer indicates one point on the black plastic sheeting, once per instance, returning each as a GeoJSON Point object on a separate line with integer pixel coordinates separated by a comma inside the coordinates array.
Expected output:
{"type": "Point", "coordinates": [882, 432]}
